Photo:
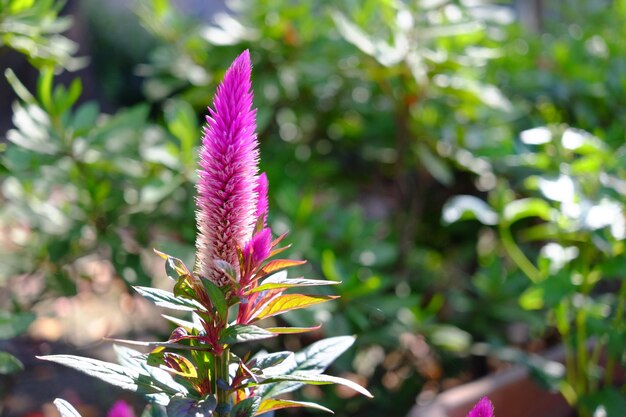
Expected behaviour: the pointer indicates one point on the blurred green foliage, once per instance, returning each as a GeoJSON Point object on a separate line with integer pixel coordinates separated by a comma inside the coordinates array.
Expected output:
{"type": "Point", "coordinates": [377, 119]}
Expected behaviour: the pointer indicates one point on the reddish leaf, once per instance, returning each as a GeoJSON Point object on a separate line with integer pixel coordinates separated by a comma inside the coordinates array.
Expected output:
{"type": "Point", "coordinates": [278, 264]}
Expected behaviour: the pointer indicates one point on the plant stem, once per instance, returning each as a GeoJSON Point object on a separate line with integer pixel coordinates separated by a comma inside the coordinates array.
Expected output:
{"type": "Point", "coordinates": [516, 254]}
{"type": "Point", "coordinates": [617, 321]}
{"type": "Point", "coordinates": [221, 373]}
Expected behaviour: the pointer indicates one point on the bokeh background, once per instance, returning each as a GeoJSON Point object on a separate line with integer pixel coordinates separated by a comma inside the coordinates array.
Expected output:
{"type": "Point", "coordinates": [458, 164]}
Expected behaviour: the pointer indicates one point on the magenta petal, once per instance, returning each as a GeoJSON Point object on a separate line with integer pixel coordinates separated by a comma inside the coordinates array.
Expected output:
{"type": "Point", "coordinates": [484, 408]}
{"type": "Point", "coordinates": [260, 247]}
{"type": "Point", "coordinates": [262, 207]}
{"type": "Point", "coordinates": [227, 195]}
{"type": "Point", "coordinates": [121, 409]}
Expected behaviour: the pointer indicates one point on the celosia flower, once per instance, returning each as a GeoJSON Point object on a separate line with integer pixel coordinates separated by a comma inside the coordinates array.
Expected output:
{"type": "Point", "coordinates": [484, 408]}
{"type": "Point", "coordinates": [121, 409]}
{"type": "Point", "coordinates": [228, 185]}
{"type": "Point", "coordinates": [262, 203]}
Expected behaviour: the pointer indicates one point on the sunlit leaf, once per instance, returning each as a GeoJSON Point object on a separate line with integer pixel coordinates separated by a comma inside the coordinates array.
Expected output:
{"type": "Point", "coordinates": [314, 378]}
{"type": "Point", "coordinates": [280, 281]}
{"type": "Point", "coordinates": [288, 302]}
{"type": "Point", "coordinates": [66, 409]}
{"type": "Point", "coordinates": [278, 264]}
{"type": "Point", "coordinates": [315, 358]}
{"type": "Point", "coordinates": [527, 207]}
{"type": "Point", "coordinates": [166, 299]}
{"type": "Point", "coordinates": [292, 330]}
{"type": "Point", "coordinates": [463, 207]}
{"type": "Point", "coordinates": [272, 404]}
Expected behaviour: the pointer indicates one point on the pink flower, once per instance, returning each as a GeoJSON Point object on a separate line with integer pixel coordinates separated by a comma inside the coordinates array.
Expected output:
{"type": "Point", "coordinates": [229, 185]}
{"type": "Point", "coordinates": [484, 408]}
{"type": "Point", "coordinates": [121, 409]}
{"type": "Point", "coordinates": [262, 207]}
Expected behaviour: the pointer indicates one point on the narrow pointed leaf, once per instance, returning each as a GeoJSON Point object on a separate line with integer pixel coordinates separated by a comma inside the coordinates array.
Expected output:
{"type": "Point", "coordinates": [313, 378]}
{"type": "Point", "coordinates": [288, 302]}
{"type": "Point", "coordinates": [278, 264]}
{"type": "Point", "coordinates": [278, 281]}
{"type": "Point", "coordinates": [174, 267]}
{"type": "Point", "coordinates": [170, 345]}
{"type": "Point", "coordinates": [272, 404]}
{"type": "Point", "coordinates": [217, 298]}
{"type": "Point", "coordinates": [111, 373]}
{"type": "Point", "coordinates": [166, 299]}
{"type": "Point", "coordinates": [292, 330]}
{"type": "Point", "coordinates": [268, 360]}
{"type": "Point", "coordinates": [315, 358]}
{"type": "Point", "coordinates": [66, 409]}
{"type": "Point", "coordinates": [240, 333]}
{"type": "Point", "coordinates": [246, 408]}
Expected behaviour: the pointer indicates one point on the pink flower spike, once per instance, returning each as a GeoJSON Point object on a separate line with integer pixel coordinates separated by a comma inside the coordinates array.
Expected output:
{"type": "Point", "coordinates": [262, 207]}
{"type": "Point", "coordinates": [484, 408]}
{"type": "Point", "coordinates": [259, 248]}
{"type": "Point", "coordinates": [121, 409]}
{"type": "Point", "coordinates": [227, 185]}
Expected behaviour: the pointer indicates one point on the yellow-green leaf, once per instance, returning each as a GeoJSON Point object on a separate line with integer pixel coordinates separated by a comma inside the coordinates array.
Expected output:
{"type": "Point", "coordinates": [292, 330]}
{"type": "Point", "coordinates": [289, 302]}
{"type": "Point", "coordinates": [274, 404]}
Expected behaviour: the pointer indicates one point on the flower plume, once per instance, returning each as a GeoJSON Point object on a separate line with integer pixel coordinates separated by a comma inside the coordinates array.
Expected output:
{"type": "Point", "coordinates": [227, 200]}
{"type": "Point", "coordinates": [484, 408]}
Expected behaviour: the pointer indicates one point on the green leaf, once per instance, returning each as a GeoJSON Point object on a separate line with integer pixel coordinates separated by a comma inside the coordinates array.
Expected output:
{"type": "Point", "coordinates": [14, 324]}
{"type": "Point", "coordinates": [280, 281]}
{"type": "Point", "coordinates": [166, 299]}
{"type": "Point", "coordinates": [527, 207]}
{"type": "Point", "coordinates": [217, 298]}
{"type": "Point", "coordinates": [464, 207]}
{"type": "Point", "coordinates": [435, 165]}
{"type": "Point", "coordinates": [66, 409]}
{"type": "Point", "coordinates": [268, 360]}
{"type": "Point", "coordinates": [272, 404]}
{"type": "Point", "coordinates": [316, 357]}
{"type": "Point", "coordinates": [174, 267]}
{"type": "Point", "coordinates": [44, 89]}
{"type": "Point", "coordinates": [19, 88]}
{"type": "Point", "coordinates": [610, 399]}
{"type": "Point", "coordinates": [186, 407]}
{"type": "Point", "coordinates": [314, 378]}
{"type": "Point", "coordinates": [288, 302]}
{"type": "Point", "coordinates": [9, 364]}
{"type": "Point", "coordinates": [246, 408]}
{"type": "Point", "coordinates": [111, 373]}
{"type": "Point", "coordinates": [240, 333]}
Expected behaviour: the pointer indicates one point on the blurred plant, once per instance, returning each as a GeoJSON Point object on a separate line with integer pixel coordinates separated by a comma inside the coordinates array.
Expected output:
{"type": "Point", "coordinates": [78, 184]}
{"type": "Point", "coordinates": [34, 28]}
{"type": "Point", "coordinates": [233, 247]}
{"type": "Point", "coordinates": [575, 184]}
{"type": "Point", "coordinates": [571, 71]}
